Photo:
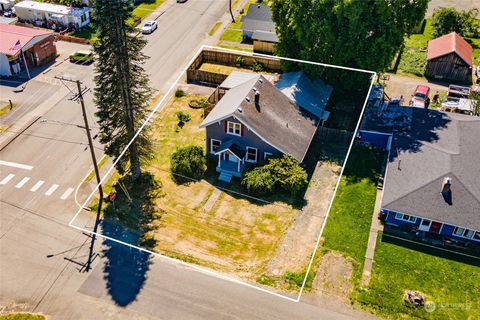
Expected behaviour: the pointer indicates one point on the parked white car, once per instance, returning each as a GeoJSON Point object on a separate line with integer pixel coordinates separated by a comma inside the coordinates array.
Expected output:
{"type": "Point", "coordinates": [149, 27]}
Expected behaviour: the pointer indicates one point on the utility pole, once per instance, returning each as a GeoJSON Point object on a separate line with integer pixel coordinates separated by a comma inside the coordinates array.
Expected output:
{"type": "Point", "coordinates": [230, 8]}
{"type": "Point", "coordinates": [90, 142]}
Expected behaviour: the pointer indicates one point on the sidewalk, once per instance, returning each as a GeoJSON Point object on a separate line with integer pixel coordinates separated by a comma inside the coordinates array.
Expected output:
{"type": "Point", "coordinates": [374, 228]}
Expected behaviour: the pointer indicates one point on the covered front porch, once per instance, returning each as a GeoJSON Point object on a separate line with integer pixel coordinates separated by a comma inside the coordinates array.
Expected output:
{"type": "Point", "coordinates": [231, 159]}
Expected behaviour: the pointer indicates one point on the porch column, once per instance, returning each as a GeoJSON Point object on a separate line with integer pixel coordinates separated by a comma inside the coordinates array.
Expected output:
{"type": "Point", "coordinates": [219, 158]}
{"type": "Point", "coordinates": [238, 166]}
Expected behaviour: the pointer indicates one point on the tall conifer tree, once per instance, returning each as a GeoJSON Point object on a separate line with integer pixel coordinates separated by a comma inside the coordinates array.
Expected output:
{"type": "Point", "coordinates": [122, 90]}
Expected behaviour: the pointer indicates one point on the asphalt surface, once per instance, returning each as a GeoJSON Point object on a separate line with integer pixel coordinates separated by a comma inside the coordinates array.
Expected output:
{"type": "Point", "coordinates": [44, 263]}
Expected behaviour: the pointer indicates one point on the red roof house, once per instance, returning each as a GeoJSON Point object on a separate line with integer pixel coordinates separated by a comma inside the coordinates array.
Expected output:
{"type": "Point", "coordinates": [449, 57]}
{"type": "Point", "coordinates": [37, 46]}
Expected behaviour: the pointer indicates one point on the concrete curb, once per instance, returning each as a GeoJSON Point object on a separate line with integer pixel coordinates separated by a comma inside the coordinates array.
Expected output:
{"type": "Point", "coordinates": [9, 138]}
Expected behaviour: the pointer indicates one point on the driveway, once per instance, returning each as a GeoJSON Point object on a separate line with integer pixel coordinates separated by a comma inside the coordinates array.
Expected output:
{"type": "Point", "coordinates": [400, 85]}
{"type": "Point", "coordinates": [458, 4]}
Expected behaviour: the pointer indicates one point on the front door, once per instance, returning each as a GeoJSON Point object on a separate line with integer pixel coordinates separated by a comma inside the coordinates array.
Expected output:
{"type": "Point", "coordinates": [231, 158]}
{"type": "Point", "coordinates": [425, 225]}
{"type": "Point", "coordinates": [435, 227]}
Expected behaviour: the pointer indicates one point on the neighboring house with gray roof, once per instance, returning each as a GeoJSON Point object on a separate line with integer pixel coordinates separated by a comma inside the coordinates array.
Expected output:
{"type": "Point", "coordinates": [252, 121]}
{"type": "Point", "coordinates": [431, 184]}
{"type": "Point", "coordinates": [258, 18]}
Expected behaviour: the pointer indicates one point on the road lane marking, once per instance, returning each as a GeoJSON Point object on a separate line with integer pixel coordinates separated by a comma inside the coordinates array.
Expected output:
{"type": "Point", "coordinates": [22, 182]}
{"type": "Point", "coordinates": [15, 165]}
{"type": "Point", "coordinates": [7, 179]}
{"type": "Point", "coordinates": [37, 185]}
{"type": "Point", "coordinates": [51, 190]}
{"type": "Point", "coordinates": [66, 193]}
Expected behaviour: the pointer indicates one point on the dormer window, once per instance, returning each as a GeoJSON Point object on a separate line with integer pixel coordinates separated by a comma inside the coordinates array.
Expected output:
{"type": "Point", "coordinates": [234, 128]}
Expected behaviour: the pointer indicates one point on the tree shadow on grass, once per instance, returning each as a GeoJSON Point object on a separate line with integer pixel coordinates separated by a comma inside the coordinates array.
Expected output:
{"type": "Point", "coordinates": [132, 218]}
{"type": "Point", "coordinates": [364, 163]}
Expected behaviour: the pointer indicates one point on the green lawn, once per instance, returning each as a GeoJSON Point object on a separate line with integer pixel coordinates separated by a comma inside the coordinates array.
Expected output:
{"type": "Point", "coordinates": [214, 28]}
{"type": "Point", "coordinates": [21, 316]}
{"type": "Point", "coordinates": [145, 9]}
{"type": "Point", "coordinates": [88, 32]}
{"type": "Point", "coordinates": [349, 220]}
{"type": "Point", "coordinates": [452, 285]}
{"type": "Point", "coordinates": [231, 35]}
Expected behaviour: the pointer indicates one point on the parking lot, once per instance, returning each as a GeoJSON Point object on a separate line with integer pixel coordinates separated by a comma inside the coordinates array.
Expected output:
{"type": "Point", "coordinates": [43, 88]}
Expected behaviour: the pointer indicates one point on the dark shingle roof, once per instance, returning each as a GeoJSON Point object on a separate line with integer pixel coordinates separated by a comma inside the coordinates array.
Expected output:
{"type": "Point", "coordinates": [433, 146]}
{"type": "Point", "coordinates": [276, 120]}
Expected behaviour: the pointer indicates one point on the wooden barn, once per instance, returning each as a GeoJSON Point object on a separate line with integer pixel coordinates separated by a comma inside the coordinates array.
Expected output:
{"type": "Point", "coordinates": [450, 58]}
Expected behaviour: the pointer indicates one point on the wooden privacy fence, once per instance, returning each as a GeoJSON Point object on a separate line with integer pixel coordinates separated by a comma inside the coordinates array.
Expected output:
{"type": "Point", "coordinates": [229, 59]}
{"type": "Point", "coordinates": [334, 135]}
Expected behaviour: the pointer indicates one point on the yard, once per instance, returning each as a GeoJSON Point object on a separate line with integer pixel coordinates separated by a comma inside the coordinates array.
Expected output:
{"type": "Point", "coordinates": [453, 286]}
{"type": "Point", "coordinates": [232, 36]}
{"type": "Point", "coordinates": [414, 57]}
{"type": "Point", "coordinates": [237, 234]}
{"type": "Point", "coordinates": [348, 224]}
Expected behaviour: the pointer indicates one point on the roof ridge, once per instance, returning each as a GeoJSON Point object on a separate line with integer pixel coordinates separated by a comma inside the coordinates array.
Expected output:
{"type": "Point", "coordinates": [420, 187]}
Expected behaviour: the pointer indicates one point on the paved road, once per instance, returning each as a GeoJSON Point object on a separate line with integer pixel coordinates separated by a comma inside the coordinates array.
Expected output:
{"type": "Point", "coordinates": [43, 261]}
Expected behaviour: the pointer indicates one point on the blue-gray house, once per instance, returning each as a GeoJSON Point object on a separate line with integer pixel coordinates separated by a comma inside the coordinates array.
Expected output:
{"type": "Point", "coordinates": [252, 121]}
{"type": "Point", "coordinates": [432, 179]}
{"type": "Point", "coordinates": [258, 20]}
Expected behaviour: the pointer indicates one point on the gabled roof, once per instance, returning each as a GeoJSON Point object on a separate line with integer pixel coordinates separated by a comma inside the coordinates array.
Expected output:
{"type": "Point", "coordinates": [45, 6]}
{"type": "Point", "coordinates": [276, 119]}
{"type": "Point", "coordinates": [433, 146]}
{"type": "Point", "coordinates": [310, 95]}
{"type": "Point", "coordinates": [449, 43]}
{"type": "Point", "coordinates": [10, 34]}
{"type": "Point", "coordinates": [258, 17]}
{"type": "Point", "coordinates": [234, 147]}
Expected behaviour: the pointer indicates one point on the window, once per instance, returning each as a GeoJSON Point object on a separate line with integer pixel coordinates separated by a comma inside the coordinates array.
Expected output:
{"type": "Point", "coordinates": [465, 233]}
{"type": "Point", "coordinates": [266, 155]}
{"type": "Point", "coordinates": [251, 154]}
{"type": "Point", "coordinates": [234, 128]}
{"type": "Point", "coordinates": [458, 231]}
{"type": "Point", "coordinates": [214, 144]}
{"type": "Point", "coordinates": [405, 217]}
{"type": "Point", "coordinates": [476, 236]}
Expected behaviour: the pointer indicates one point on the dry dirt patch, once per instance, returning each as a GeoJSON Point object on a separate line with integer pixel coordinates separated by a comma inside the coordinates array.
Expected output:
{"type": "Point", "coordinates": [333, 276]}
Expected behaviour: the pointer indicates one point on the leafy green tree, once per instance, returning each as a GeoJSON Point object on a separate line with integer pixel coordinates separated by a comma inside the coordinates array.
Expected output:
{"type": "Point", "coordinates": [122, 91]}
{"type": "Point", "coordinates": [259, 180]}
{"type": "Point", "coordinates": [446, 20]}
{"type": "Point", "coordinates": [361, 34]}
{"type": "Point", "coordinates": [188, 162]}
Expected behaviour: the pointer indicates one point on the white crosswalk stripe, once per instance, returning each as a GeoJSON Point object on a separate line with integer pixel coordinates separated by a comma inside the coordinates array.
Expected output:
{"type": "Point", "coordinates": [66, 193]}
{"type": "Point", "coordinates": [51, 190]}
{"type": "Point", "coordinates": [22, 182]}
{"type": "Point", "coordinates": [7, 179]}
{"type": "Point", "coordinates": [37, 185]}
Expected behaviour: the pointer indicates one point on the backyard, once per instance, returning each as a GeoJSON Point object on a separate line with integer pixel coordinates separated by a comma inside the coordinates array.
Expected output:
{"type": "Point", "coordinates": [414, 57]}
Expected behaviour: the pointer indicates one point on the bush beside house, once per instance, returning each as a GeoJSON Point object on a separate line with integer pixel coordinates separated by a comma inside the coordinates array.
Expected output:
{"type": "Point", "coordinates": [283, 173]}
{"type": "Point", "coordinates": [187, 162]}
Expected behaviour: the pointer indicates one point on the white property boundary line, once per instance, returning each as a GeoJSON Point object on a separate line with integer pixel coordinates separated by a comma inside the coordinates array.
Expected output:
{"type": "Point", "coordinates": [148, 119]}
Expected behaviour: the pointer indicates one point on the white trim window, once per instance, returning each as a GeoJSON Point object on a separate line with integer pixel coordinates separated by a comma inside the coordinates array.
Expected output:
{"type": "Point", "coordinates": [405, 217]}
{"type": "Point", "coordinates": [214, 144]}
{"type": "Point", "coordinates": [234, 128]}
{"type": "Point", "coordinates": [266, 155]}
{"type": "Point", "coordinates": [476, 236]}
{"type": "Point", "coordinates": [464, 233]}
{"type": "Point", "coordinates": [252, 154]}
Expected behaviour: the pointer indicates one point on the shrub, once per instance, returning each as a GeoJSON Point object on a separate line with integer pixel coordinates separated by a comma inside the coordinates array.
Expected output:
{"type": "Point", "coordinates": [182, 118]}
{"type": "Point", "coordinates": [187, 162]}
{"type": "Point", "coordinates": [256, 66]}
{"type": "Point", "coordinates": [197, 103]}
{"type": "Point", "coordinates": [284, 173]}
{"type": "Point", "coordinates": [259, 180]}
{"type": "Point", "coordinates": [413, 62]}
{"type": "Point", "coordinates": [179, 93]}
{"type": "Point", "coordinates": [239, 60]}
